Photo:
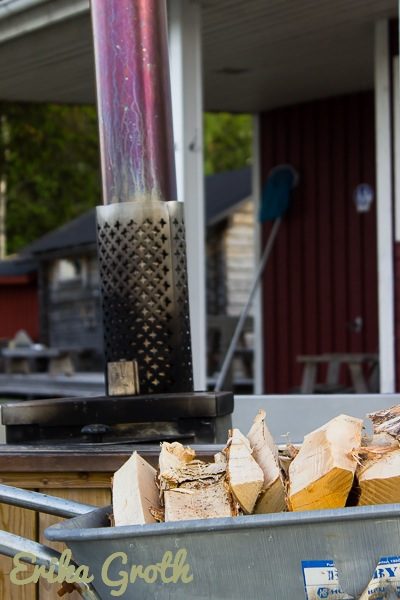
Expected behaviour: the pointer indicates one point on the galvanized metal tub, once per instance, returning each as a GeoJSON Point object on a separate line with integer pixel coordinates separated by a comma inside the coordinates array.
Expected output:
{"type": "Point", "coordinates": [258, 557]}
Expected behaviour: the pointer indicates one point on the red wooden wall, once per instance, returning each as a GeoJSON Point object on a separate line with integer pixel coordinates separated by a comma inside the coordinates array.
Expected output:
{"type": "Point", "coordinates": [323, 272]}
{"type": "Point", "coordinates": [19, 306]}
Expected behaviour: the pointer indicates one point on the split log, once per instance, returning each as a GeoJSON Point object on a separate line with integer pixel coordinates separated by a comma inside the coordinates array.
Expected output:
{"type": "Point", "coordinates": [220, 457]}
{"type": "Point", "coordinates": [135, 492]}
{"type": "Point", "coordinates": [285, 457]}
{"type": "Point", "coordinates": [245, 476]}
{"type": "Point", "coordinates": [380, 440]}
{"type": "Point", "coordinates": [387, 421]}
{"type": "Point", "coordinates": [284, 463]}
{"type": "Point", "coordinates": [196, 472]}
{"type": "Point", "coordinates": [321, 475]}
{"type": "Point", "coordinates": [206, 502]}
{"type": "Point", "coordinates": [379, 478]}
{"type": "Point", "coordinates": [174, 455]}
{"type": "Point", "coordinates": [197, 490]}
{"type": "Point", "coordinates": [265, 453]}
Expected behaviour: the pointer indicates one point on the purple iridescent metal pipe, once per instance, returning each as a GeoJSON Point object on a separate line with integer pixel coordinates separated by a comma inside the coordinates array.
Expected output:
{"type": "Point", "coordinates": [134, 100]}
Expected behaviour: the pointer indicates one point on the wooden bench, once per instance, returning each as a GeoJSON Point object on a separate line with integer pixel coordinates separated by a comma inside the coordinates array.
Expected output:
{"type": "Point", "coordinates": [27, 360]}
{"type": "Point", "coordinates": [353, 362]}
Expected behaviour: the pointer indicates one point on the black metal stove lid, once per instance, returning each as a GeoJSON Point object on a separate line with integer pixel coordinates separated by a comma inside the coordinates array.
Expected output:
{"type": "Point", "coordinates": [122, 409]}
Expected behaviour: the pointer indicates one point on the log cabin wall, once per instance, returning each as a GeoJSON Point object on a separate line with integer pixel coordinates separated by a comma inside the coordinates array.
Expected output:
{"type": "Point", "coordinates": [239, 253]}
{"type": "Point", "coordinates": [230, 261]}
{"type": "Point", "coordinates": [323, 271]}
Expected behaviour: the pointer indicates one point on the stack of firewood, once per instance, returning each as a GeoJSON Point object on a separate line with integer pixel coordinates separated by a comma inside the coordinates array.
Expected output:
{"type": "Point", "coordinates": [334, 467]}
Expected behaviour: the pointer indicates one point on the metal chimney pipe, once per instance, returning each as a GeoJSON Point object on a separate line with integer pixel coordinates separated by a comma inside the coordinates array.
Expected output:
{"type": "Point", "coordinates": [140, 228]}
{"type": "Point", "coordinates": [134, 100]}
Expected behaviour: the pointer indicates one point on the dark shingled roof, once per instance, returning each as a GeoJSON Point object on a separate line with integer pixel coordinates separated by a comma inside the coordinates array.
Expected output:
{"type": "Point", "coordinates": [223, 192]}
{"type": "Point", "coordinates": [77, 232]}
{"type": "Point", "coordinates": [17, 266]}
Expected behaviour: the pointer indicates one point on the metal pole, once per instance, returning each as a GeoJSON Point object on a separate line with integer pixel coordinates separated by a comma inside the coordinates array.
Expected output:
{"type": "Point", "coordinates": [134, 100]}
{"type": "Point", "coordinates": [51, 505]}
{"type": "Point", "coordinates": [140, 230]}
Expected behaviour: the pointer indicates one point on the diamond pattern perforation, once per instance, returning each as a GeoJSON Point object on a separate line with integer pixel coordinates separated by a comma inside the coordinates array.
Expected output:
{"type": "Point", "coordinates": [145, 299]}
{"type": "Point", "coordinates": [181, 288]}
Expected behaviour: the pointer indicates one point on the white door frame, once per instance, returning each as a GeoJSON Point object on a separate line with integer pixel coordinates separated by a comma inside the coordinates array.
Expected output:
{"type": "Point", "coordinates": [384, 209]}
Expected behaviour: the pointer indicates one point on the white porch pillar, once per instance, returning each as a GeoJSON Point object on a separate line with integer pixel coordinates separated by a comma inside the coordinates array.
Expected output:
{"type": "Point", "coordinates": [384, 209]}
{"type": "Point", "coordinates": [396, 129]}
{"type": "Point", "coordinates": [258, 306]}
{"type": "Point", "coordinates": [187, 103]}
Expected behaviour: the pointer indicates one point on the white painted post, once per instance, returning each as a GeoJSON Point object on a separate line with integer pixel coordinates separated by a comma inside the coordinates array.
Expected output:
{"type": "Point", "coordinates": [396, 130]}
{"type": "Point", "coordinates": [257, 312]}
{"type": "Point", "coordinates": [187, 106]}
{"type": "Point", "coordinates": [384, 208]}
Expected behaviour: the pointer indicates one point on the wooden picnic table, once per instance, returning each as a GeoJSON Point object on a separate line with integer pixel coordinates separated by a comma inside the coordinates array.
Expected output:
{"type": "Point", "coordinates": [354, 362]}
{"type": "Point", "coordinates": [27, 360]}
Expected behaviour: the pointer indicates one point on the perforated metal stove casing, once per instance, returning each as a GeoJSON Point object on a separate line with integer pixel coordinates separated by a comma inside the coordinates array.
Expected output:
{"type": "Point", "coordinates": [142, 257]}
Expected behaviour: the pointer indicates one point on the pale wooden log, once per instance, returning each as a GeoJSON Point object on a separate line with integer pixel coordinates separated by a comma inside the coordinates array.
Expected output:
{"type": "Point", "coordinates": [380, 440]}
{"type": "Point", "coordinates": [245, 476]}
{"type": "Point", "coordinates": [220, 457]}
{"type": "Point", "coordinates": [265, 453]}
{"type": "Point", "coordinates": [322, 473]}
{"type": "Point", "coordinates": [194, 473]}
{"type": "Point", "coordinates": [196, 490]}
{"type": "Point", "coordinates": [387, 420]}
{"type": "Point", "coordinates": [174, 455]}
{"type": "Point", "coordinates": [123, 378]}
{"type": "Point", "coordinates": [379, 479]}
{"type": "Point", "coordinates": [135, 492]}
{"type": "Point", "coordinates": [284, 463]}
{"type": "Point", "coordinates": [286, 456]}
{"type": "Point", "coordinates": [206, 502]}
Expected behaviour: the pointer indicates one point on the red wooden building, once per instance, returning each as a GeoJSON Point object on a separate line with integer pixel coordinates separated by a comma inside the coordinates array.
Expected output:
{"type": "Point", "coordinates": [18, 299]}
{"type": "Point", "coordinates": [320, 290]}
{"type": "Point", "coordinates": [322, 81]}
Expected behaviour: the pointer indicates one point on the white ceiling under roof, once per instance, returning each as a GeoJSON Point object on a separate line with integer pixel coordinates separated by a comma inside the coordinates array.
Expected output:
{"type": "Point", "coordinates": [258, 54]}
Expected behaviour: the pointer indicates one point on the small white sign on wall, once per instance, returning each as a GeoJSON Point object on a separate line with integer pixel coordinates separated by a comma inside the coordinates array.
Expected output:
{"type": "Point", "coordinates": [363, 197]}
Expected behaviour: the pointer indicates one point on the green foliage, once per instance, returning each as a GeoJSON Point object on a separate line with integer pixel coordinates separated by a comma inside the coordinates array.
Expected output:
{"type": "Point", "coordinates": [227, 142]}
{"type": "Point", "coordinates": [49, 155]}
